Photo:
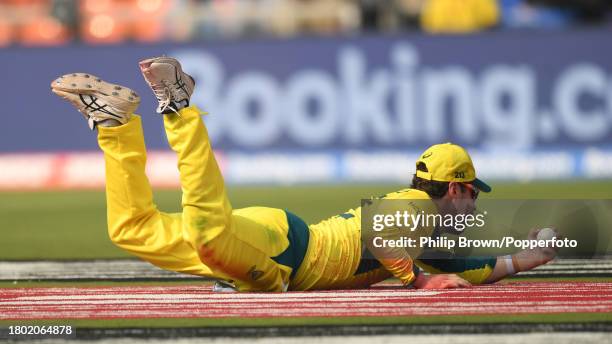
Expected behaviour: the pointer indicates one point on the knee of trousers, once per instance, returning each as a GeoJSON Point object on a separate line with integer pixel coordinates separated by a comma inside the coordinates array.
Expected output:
{"type": "Point", "coordinates": [121, 235]}
{"type": "Point", "coordinates": [129, 230]}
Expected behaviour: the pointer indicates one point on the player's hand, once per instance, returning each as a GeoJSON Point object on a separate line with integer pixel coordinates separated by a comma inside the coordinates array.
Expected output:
{"type": "Point", "coordinates": [543, 254]}
{"type": "Point", "coordinates": [447, 281]}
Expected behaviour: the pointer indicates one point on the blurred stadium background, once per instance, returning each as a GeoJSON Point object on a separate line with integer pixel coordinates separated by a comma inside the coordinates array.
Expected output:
{"type": "Point", "coordinates": [313, 103]}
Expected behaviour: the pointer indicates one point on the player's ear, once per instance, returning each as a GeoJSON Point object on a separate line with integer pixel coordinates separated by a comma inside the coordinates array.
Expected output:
{"type": "Point", "coordinates": [454, 190]}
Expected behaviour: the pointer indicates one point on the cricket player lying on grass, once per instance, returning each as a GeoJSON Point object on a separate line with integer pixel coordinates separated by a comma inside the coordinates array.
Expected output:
{"type": "Point", "coordinates": [257, 248]}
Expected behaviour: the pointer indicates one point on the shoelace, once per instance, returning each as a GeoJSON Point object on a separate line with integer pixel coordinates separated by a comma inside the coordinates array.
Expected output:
{"type": "Point", "coordinates": [165, 93]}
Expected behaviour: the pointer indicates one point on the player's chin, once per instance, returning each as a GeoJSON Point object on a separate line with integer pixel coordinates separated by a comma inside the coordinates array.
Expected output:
{"type": "Point", "coordinates": [469, 209]}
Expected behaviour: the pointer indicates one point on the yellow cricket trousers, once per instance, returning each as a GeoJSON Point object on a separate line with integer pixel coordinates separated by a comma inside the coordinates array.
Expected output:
{"type": "Point", "coordinates": [208, 238]}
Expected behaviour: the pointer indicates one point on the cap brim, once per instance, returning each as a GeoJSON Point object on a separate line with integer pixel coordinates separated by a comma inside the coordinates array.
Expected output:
{"type": "Point", "coordinates": [482, 186]}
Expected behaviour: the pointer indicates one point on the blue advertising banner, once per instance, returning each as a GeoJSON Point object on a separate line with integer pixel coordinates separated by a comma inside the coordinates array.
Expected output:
{"type": "Point", "coordinates": [527, 105]}
{"type": "Point", "coordinates": [492, 91]}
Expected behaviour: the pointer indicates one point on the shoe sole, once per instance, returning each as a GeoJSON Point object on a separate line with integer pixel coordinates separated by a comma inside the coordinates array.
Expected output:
{"type": "Point", "coordinates": [83, 83]}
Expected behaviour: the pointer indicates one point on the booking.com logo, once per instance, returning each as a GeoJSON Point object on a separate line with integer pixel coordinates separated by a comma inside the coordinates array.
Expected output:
{"type": "Point", "coordinates": [403, 102]}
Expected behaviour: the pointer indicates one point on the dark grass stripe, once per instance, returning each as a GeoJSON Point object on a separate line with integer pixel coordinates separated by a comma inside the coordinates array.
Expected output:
{"type": "Point", "coordinates": [359, 330]}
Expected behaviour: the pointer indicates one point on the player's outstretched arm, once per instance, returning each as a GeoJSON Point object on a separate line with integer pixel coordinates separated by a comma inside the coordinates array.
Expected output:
{"type": "Point", "coordinates": [483, 270]}
{"type": "Point", "coordinates": [444, 281]}
{"type": "Point", "coordinates": [475, 270]}
{"type": "Point", "coordinates": [522, 261]}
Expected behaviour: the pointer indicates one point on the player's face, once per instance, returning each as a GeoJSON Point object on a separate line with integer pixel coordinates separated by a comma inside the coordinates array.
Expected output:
{"type": "Point", "coordinates": [463, 197]}
{"type": "Point", "coordinates": [473, 191]}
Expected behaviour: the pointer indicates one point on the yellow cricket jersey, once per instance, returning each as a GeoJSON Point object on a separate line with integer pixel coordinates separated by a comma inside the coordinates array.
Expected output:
{"type": "Point", "coordinates": [336, 255]}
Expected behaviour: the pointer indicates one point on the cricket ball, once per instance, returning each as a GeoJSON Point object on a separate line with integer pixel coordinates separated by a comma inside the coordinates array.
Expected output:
{"type": "Point", "coordinates": [546, 234]}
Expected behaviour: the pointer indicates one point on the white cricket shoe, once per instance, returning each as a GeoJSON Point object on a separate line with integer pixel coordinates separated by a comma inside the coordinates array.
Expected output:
{"type": "Point", "coordinates": [172, 86]}
{"type": "Point", "coordinates": [99, 101]}
{"type": "Point", "coordinates": [224, 287]}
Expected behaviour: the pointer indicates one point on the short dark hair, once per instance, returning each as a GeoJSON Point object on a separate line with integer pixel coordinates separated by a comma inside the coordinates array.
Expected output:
{"type": "Point", "coordinates": [433, 188]}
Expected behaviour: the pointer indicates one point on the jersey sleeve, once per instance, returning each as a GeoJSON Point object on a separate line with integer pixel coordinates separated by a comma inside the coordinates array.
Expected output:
{"type": "Point", "coordinates": [398, 260]}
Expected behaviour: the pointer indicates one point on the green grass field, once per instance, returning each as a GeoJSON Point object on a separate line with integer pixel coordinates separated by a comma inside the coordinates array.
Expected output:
{"type": "Point", "coordinates": [320, 321]}
{"type": "Point", "coordinates": [72, 224]}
